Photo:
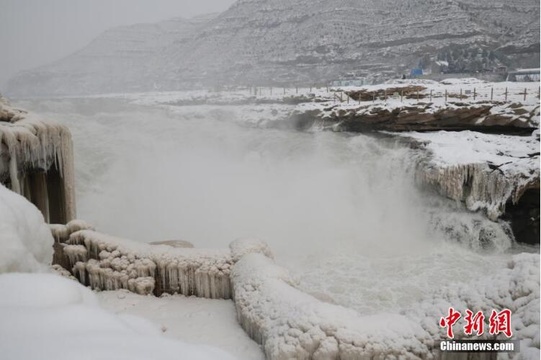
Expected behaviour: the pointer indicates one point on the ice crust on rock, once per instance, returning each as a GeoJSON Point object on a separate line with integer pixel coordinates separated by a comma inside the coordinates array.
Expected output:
{"type": "Point", "coordinates": [25, 240]}
{"type": "Point", "coordinates": [484, 171]}
{"type": "Point", "coordinates": [61, 233]}
{"type": "Point", "coordinates": [290, 324]}
{"type": "Point", "coordinates": [27, 141]}
{"type": "Point", "coordinates": [515, 288]}
{"type": "Point", "coordinates": [108, 263]}
{"type": "Point", "coordinates": [241, 247]}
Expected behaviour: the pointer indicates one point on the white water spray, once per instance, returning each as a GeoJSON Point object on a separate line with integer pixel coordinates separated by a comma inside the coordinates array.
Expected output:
{"type": "Point", "coordinates": [341, 211]}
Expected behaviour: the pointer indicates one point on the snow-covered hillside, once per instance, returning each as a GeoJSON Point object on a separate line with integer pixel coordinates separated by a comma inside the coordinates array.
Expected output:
{"type": "Point", "coordinates": [300, 41]}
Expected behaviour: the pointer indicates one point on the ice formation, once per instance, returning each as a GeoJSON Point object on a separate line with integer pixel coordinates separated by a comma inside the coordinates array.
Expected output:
{"type": "Point", "coordinates": [290, 324]}
{"type": "Point", "coordinates": [486, 172]}
{"type": "Point", "coordinates": [25, 240]}
{"type": "Point", "coordinates": [515, 287]}
{"type": "Point", "coordinates": [242, 247]}
{"type": "Point", "coordinates": [108, 263]}
{"type": "Point", "coordinates": [61, 232]}
{"type": "Point", "coordinates": [30, 143]}
{"type": "Point", "coordinates": [46, 316]}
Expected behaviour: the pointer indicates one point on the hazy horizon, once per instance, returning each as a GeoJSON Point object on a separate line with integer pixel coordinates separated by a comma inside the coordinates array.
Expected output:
{"type": "Point", "coordinates": [37, 32]}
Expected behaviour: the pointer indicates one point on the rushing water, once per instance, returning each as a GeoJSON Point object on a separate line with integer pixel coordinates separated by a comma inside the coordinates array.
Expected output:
{"type": "Point", "coordinates": [340, 211]}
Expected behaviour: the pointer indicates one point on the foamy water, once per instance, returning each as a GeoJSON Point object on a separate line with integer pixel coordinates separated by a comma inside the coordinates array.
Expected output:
{"type": "Point", "coordinates": [340, 211]}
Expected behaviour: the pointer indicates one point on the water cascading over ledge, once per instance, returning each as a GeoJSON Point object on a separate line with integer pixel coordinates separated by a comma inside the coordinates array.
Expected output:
{"type": "Point", "coordinates": [467, 152]}
{"type": "Point", "coordinates": [36, 161]}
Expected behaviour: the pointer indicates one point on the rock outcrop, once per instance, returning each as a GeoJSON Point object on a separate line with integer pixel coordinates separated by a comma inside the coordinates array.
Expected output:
{"type": "Point", "coordinates": [423, 116]}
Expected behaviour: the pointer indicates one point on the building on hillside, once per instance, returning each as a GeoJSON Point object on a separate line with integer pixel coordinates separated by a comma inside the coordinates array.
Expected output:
{"type": "Point", "coordinates": [523, 75]}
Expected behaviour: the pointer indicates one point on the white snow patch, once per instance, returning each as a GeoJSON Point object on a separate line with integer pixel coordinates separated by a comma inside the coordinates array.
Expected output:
{"type": "Point", "coordinates": [190, 319]}
{"type": "Point", "coordinates": [49, 317]}
{"type": "Point", "coordinates": [26, 242]}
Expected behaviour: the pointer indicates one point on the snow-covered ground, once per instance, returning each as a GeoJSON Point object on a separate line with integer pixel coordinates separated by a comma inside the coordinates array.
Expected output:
{"type": "Point", "coordinates": [190, 319]}
{"type": "Point", "coordinates": [45, 316]}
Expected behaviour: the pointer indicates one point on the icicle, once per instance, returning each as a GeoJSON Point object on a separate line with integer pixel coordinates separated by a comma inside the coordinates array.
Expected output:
{"type": "Point", "coordinates": [75, 253]}
{"type": "Point", "coordinates": [116, 263]}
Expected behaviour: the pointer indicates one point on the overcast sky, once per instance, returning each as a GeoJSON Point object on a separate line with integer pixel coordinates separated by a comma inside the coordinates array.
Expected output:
{"type": "Point", "coordinates": [36, 32]}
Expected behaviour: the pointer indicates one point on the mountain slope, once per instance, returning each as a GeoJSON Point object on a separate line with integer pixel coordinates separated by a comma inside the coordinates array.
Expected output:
{"type": "Point", "coordinates": [297, 41]}
{"type": "Point", "coordinates": [120, 59]}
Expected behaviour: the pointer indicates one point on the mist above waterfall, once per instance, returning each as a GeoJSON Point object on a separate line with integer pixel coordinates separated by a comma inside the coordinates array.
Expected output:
{"type": "Point", "coordinates": [341, 211]}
